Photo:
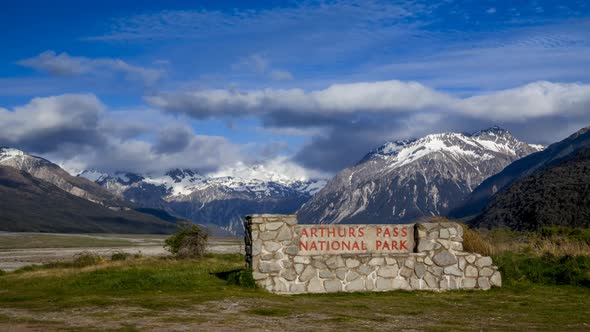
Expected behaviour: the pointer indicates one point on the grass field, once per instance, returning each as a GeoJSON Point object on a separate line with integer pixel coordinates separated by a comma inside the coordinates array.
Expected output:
{"type": "Point", "coordinates": [169, 294]}
{"type": "Point", "coordinates": [39, 240]}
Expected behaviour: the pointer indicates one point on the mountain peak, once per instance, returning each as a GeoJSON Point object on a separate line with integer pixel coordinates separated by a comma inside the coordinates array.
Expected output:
{"type": "Point", "coordinates": [6, 152]}
{"type": "Point", "coordinates": [493, 130]}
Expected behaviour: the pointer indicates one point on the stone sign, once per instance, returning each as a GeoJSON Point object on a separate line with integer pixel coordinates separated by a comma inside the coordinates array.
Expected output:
{"type": "Point", "coordinates": [354, 239]}
{"type": "Point", "coordinates": [287, 258]}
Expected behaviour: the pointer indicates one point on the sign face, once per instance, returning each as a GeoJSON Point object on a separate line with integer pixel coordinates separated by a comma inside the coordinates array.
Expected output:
{"type": "Point", "coordinates": [354, 239]}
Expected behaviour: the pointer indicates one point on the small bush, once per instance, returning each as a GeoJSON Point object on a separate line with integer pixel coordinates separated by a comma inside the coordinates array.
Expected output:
{"type": "Point", "coordinates": [120, 256]}
{"type": "Point", "coordinates": [86, 258]}
{"type": "Point", "coordinates": [242, 278]}
{"type": "Point", "coordinates": [474, 242]}
{"type": "Point", "coordinates": [189, 242]}
{"type": "Point", "coordinates": [2, 272]}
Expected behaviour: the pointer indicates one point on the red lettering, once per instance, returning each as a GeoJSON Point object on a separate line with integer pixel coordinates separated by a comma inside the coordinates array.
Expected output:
{"type": "Point", "coordinates": [394, 244]}
{"type": "Point", "coordinates": [336, 245]}
{"type": "Point", "coordinates": [386, 232]}
{"type": "Point", "coordinates": [313, 246]}
{"type": "Point", "coordinates": [404, 232]}
{"type": "Point", "coordinates": [304, 232]}
{"type": "Point", "coordinates": [314, 232]}
{"type": "Point", "coordinates": [395, 232]}
{"type": "Point", "coordinates": [302, 245]}
{"type": "Point", "coordinates": [341, 231]}
{"type": "Point", "coordinates": [351, 232]}
{"type": "Point", "coordinates": [402, 245]}
{"type": "Point", "coordinates": [322, 231]}
{"type": "Point", "coordinates": [355, 246]}
{"type": "Point", "coordinates": [363, 246]}
{"type": "Point", "coordinates": [386, 245]}
{"type": "Point", "coordinates": [379, 230]}
{"type": "Point", "coordinates": [346, 245]}
{"type": "Point", "coordinates": [361, 231]}
{"type": "Point", "coordinates": [332, 232]}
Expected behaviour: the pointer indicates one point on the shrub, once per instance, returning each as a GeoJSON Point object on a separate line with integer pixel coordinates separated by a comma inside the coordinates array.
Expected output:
{"type": "Point", "coordinates": [120, 256]}
{"type": "Point", "coordinates": [189, 242]}
{"type": "Point", "coordinates": [242, 278]}
{"type": "Point", "coordinates": [2, 272]}
{"type": "Point", "coordinates": [86, 258]}
{"type": "Point", "coordinates": [474, 242]}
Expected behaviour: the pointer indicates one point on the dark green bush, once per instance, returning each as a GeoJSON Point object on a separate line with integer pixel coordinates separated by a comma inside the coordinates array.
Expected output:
{"type": "Point", "coordinates": [86, 258]}
{"type": "Point", "coordinates": [580, 234]}
{"type": "Point", "coordinates": [189, 242]}
{"type": "Point", "coordinates": [547, 269]}
{"type": "Point", "coordinates": [2, 272]}
{"type": "Point", "coordinates": [242, 278]}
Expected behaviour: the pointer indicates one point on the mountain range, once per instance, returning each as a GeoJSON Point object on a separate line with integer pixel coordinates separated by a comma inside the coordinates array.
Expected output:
{"type": "Point", "coordinates": [403, 181]}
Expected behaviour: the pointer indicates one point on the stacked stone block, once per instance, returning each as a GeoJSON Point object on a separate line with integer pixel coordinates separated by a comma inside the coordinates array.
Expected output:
{"type": "Point", "coordinates": [438, 262]}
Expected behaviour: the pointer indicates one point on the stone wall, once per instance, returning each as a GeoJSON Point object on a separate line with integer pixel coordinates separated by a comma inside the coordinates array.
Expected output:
{"type": "Point", "coordinates": [436, 262]}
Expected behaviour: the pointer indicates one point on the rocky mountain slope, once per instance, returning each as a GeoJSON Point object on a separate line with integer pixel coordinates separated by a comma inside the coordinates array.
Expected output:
{"type": "Point", "coordinates": [222, 201]}
{"type": "Point", "coordinates": [553, 154]}
{"type": "Point", "coordinates": [405, 180]}
{"type": "Point", "coordinates": [554, 195]}
{"type": "Point", "coordinates": [52, 173]}
{"type": "Point", "coordinates": [30, 204]}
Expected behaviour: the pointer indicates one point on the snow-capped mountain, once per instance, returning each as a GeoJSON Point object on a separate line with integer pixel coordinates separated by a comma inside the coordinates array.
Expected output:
{"type": "Point", "coordinates": [405, 180]}
{"type": "Point", "coordinates": [221, 199]}
{"type": "Point", "coordinates": [52, 173]}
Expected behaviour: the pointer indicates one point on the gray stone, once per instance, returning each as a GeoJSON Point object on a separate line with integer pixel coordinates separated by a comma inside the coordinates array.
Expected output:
{"type": "Point", "coordinates": [457, 246]}
{"type": "Point", "coordinates": [355, 286]}
{"type": "Point", "coordinates": [428, 260]}
{"type": "Point", "coordinates": [486, 272]}
{"type": "Point", "coordinates": [496, 279]}
{"type": "Point", "coordinates": [290, 220]}
{"type": "Point", "coordinates": [468, 283]}
{"type": "Point", "coordinates": [255, 235]}
{"type": "Point", "coordinates": [427, 245]}
{"type": "Point", "coordinates": [453, 270]}
{"type": "Point", "coordinates": [462, 263]}
{"type": "Point", "coordinates": [364, 269]}
{"type": "Point", "coordinates": [406, 272]}
{"type": "Point", "coordinates": [410, 263]}
{"type": "Point", "coordinates": [299, 268]}
{"type": "Point", "coordinates": [333, 286]}
{"type": "Point", "coordinates": [420, 270]}
{"type": "Point", "coordinates": [376, 261]}
{"type": "Point", "coordinates": [483, 262]}
{"type": "Point", "coordinates": [308, 273]}
{"type": "Point", "coordinates": [453, 283]}
{"type": "Point", "coordinates": [433, 235]}
{"type": "Point", "coordinates": [470, 259]}
{"type": "Point", "coordinates": [445, 243]}
{"type": "Point", "coordinates": [291, 250]}
{"type": "Point", "coordinates": [297, 288]}
{"type": "Point", "coordinates": [384, 284]}
{"type": "Point", "coordinates": [483, 283]}
{"type": "Point", "coordinates": [388, 271]}
{"type": "Point", "coordinates": [335, 262]}
{"type": "Point", "coordinates": [273, 226]}
{"type": "Point", "coordinates": [416, 283]}
{"type": "Point", "coordinates": [352, 275]}
{"type": "Point", "coordinates": [326, 274]}
{"type": "Point", "coordinates": [430, 281]}
{"type": "Point", "coordinates": [444, 284]}
{"type": "Point", "coordinates": [444, 233]}
{"type": "Point", "coordinates": [259, 276]}
{"type": "Point", "coordinates": [436, 270]}
{"type": "Point", "coordinates": [471, 271]}
{"type": "Point", "coordinates": [369, 284]}
{"type": "Point", "coordinates": [341, 273]}
{"type": "Point", "coordinates": [390, 261]}
{"type": "Point", "coordinates": [444, 258]}
{"type": "Point", "coordinates": [316, 286]}
{"type": "Point", "coordinates": [284, 233]}
{"type": "Point", "coordinates": [352, 263]}
{"type": "Point", "coordinates": [280, 286]}
{"type": "Point", "coordinates": [302, 259]}
{"type": "Point", "coordinates": [318, 264]}
{"type": "Point", "coordinates": [268, 235]}
{"type": "Point", "coordinates": [452, 231]}
{"type": "Point", "coordinates": [289, 275]}
{"type": "Point", "coordinates": [272, 246]}
{"type": "Point", "coordinates": [401, 284]}
{"type": "Point", "coordinates": [266, 267]}
{"type": "Point", "coordinates": [256, 247]}
{"type": "Point", "coordinates": [277, 256]}
{"type": "Point", "coordinates": [266, 257]}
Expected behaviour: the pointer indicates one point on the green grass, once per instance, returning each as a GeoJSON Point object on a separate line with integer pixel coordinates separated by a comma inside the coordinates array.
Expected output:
{"type": "Point", "coordinates": [197, 292]}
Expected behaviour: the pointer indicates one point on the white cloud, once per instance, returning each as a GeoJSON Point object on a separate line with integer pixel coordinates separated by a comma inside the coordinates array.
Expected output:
{"type": "Point", "coordinates": [533, 100]}
{"type": "Point", "coordinates": [66, 65]}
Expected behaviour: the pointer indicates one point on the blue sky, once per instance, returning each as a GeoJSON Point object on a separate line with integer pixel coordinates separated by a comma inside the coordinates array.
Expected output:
{"type": "Point", "coordinates": [125, 84]}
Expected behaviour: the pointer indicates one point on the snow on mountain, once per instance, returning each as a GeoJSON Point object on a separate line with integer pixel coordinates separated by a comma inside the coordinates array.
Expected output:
{"type": "Point", "coordinates": [404, 180]}
{"type": "Point", "coordinates": [222, 198]}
